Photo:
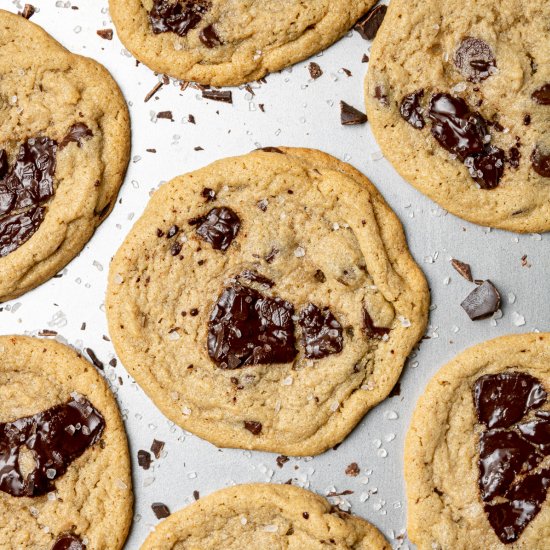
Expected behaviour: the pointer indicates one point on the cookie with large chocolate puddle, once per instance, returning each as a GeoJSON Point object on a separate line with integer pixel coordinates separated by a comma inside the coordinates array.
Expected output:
{"type": "Point", "coordinates": [228, 43]}
{"type": "Point", "coordinates": [64, 465]}
{"type": "Point", "coordinates": [64, 147]}
{"type": "Point", "coordinates": [458, 97]}
{"type": "Point", "coordinates": [267, 301]}
{"type": "Point", "coordinates": [477, 457]}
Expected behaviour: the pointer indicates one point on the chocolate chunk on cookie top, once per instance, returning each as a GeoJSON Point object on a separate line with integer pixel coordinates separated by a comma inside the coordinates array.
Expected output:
{"type": "Point", "coordinates": [478, 449]}
{"type": "Point", "coordinates": [467, 101]}
{"type": "Point", "coordinates": [64, 147]}
{"type": "Point", "coordinates": [238, 300]}
{"type": "Point", "coordinates": [63, 453]}
{"type": "Point", "coordinates": [228, 43]}
{"type": "Point", "coordinates": [513, 481]}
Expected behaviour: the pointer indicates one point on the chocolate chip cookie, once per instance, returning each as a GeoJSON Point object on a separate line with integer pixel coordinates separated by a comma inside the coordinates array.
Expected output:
{"type": "Point", "coordinates": [64, 465]}
{"type": "Point", "coordinates": [458, 96]}
{"type": "Point", "coordinates": [477, 455]}
{"type": "Point", "coordinates": [263, 515]}
{"type": "Point", "coordinates": [64, 147]}
{"type": "Point", "coordinates": [267, 301]}
{"type": "Point", "coordinates": [230, 42]}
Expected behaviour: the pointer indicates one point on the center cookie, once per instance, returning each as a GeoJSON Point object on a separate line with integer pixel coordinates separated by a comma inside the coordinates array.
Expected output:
{"type": "Point", "coordinates": [267, 301]}
{"type": "Point", "coordinates": [458, 96]}
{"type": "Point", "coordinates": [230, 42]}
{"type": "Point", "coordinates": [477, 457]}
{"type": "Point", "coordinates": [64, 465]}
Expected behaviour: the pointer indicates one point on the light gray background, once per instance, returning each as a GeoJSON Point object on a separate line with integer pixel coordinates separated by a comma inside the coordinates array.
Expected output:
{"type": "Point", "coordinates": [300, 112]}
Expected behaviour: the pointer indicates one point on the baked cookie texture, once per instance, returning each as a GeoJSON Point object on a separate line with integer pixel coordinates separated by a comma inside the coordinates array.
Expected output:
{"type": "Point", "coordinates": [486, 156]}
{"type": "Point", "coordinates": [230, 42]}
{"type": "Point", "coordinates": [64, 148]}
{"type": "Point", "coordinates": [92, 500]}
{"type": "Point", "coordinates": [264, 515]}
{"type": "Point", "coordinates": [283, 340]}
{"type": "Point", "coordinates": [442, 450]}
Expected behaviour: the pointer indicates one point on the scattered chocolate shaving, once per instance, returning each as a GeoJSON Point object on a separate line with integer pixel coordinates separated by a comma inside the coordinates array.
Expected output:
{"type": "Point", "coordinates": [542, 95]}
{"type": "Point", "coordinates": [353, 470]}
{"type": "Point", "coordinates": [28, 11]}
{"type": "Point", "coordinates": [153, 91]}
{"type": "Point", "coordinates": [350, 116]}
{"type": "Point", "coordinates": [369, 24]}
{"type": "Point", "coordinates": [93, 358]}
{"type": "Point", "coordinates": [340, 494]}
{"type": "Point", "coordinates": [482, 302]}
{"type": "Point", "coordinates": [144, 459]}
{"type": "Point", "coordinates": [166, 115]}
{"type": "Point", "coordinates": [281, 460]}
{"type": "Point", "coordinates": [157, 447]}
{"type": "Point", "coordinates": [47, 332]}
{"type": "Point", "coordinates": [225, 96]}
{"type": "Point", "coordinates": [253, 427]}
{"type": "Point", "coordinates": [160, 510]}
{"type": "Point", "coordinates": [315, 70]}
{"type": "Point", "coordinates": [196, 495]}
{"type": "Point", "coordinates": [463, 269]}
{"type": "Point", "coordinates": [272, 254]}
{"type": "Point", "coordinates": [255, 277]}
{"type": "Point", "coordinates": [106, 34]}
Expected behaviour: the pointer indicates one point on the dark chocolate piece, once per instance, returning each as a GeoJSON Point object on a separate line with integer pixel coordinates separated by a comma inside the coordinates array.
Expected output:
{"type": "Point", "coordinates": [209, 37]}
{"type": "Point", "coordinates": [55, 437]}
{"type": "Point", "coordinates": [504, 399]}
{"type": "Point", "coordinates": [542, 95]}
{"type": "Point", "coordinates": [28, 11]}
{"type": "Point", "coordinates": [350, 116]}
{"type": "Point", "coordinates": [514, 156]}
{"type": "Point", "coordinates": [369, 24]}
{"type": "Point", "coordinates": [18, 228]}
{"type": "Point", "coordinates": [247, 328]}
{"type": "Point", "coordinates": [219, 227]}
{"type": "Point", "coordinates": [271, 150]}
{"type": "Point", "coordinates": [144, 459]}
{"type": "Point", "coordinates": [474, 59]}
{"type": "Point", "coordinates": [68, 541]}
{"type": "Point", "coordinates": [537, 431]}
{"type": "Point", "coordinates": [411, 110]}
{"type": "Point", "coordinates": [256, 277]}
{"type": "Point", "coordinates": [321, 332]}
{"type": "Point", "coordinates": [157, 447]}
{"type": "Point", "coordinates": [381, 95]}
{"type": "Point", "coordinates": [76, 134]}
{"type": "Point", "coordinates": [370, 330]}
{"type": "Point", "coordinates": [315, 70]}
{"type": "Point", "coordinates": [225, 96]}
{"type": "Point", "coordinates": [160, 510]}
{"type": "Point", "coordinates": [464, 269]}
{"type": "Point", "coordinates": [177, 17]}
{"type": "Point", "coordinates": [253, 427]}
{"type": "Point", "coordinates": [482, 302]}
{"type": "Point", "coordinates": [106, 34]}
{"type": "Point", "coordinates": [209, 195]}
{"type": "Point", "coordinates": [540, 162]}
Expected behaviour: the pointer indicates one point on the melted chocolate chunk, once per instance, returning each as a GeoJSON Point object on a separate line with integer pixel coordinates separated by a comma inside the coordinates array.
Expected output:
{"type": "Point", "coordinates": [219, 227]}
{"type": "Point", "coordinates": [321, 332]}
{"type": "Point", "coordinates": [177, 17]}
{"type": "Point", "coordinates": [411, 109]}
{"type": "Point", "coordinates": [504, 399]}
{"type": "Point", "coordinates": [256, 277]}
{"type": "Point", "coordinates": [18, 228]}
{"type": "Point", "coordinates": [503, 455]}
{"type": "Point", "coordinates": [68, 541]}
{"type": "Point", "coordinates": [209, 37]}
{"type": "Point", "coordinates": [510, 454]}
{"type": "Point", "coordinates": [370, 330]}
{"type": "Point", "coordinates": [247, 328]}
{"type": "Point", "coordinates": [465, 134]}
{"type": "Point", "coordinates": [542, 95]}
{"type": "Point", "coordinates": [540, 162]}
{"type": "Point", "coordinates": [55, 438]}
{"type": "Point", "coordinates": [482, 302]}
{"type": "Point", "coordinates": [77, 133]}
{"type": "Point", "coordinates": [474, 59]}
{"type": "Point", "coordinates": [369, 24]}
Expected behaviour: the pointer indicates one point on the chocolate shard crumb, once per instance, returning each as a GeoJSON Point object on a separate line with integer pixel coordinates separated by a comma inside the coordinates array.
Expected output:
{"type": "Point", "coordinates": [28, 11]}
{"type": "Point", "coordinates": [281, 460]}
{"type": "Point", "coordinates": [255, 277]}
{"type": "Point", "coordinates": [463, 269]}
{"type": "Point", "coordinates": [93, 358]}
{"type": "Point", "coordinates": [365, 58]}
{"type": "Point", "coordinates": [153, 91]}
{"type": "Point", "coordinates": [208, 194]}
{"type": "Point", "coordinates": [253, 427]}
{"type": "Point", "coordinates": [144, 459]}
{"type": "Point", "coordinates": [157, 447]}
{"type": "Point", "coordinates": [350, 116]}
{"type": "Point", "coordinates": [319, 276]}
{"type": "Point", "coordinates": [314, 70]}
{"type": "Point", "coordinates": [47, 332]}
{"type": "Point", "coordinates": [225, 96]}
{"type": "Point", "coordinates": [482, 302]}
{"type": "Point", "coordinates": [161, 510]}
{"type": "Point", "coordinates": [209, 37]}
{"type": "Point", "coordinates": [76, 134]}
{"type": "Point", "coordinates": [271, 149]}
{"type": "Point", "coordinates": [166, 115]}
{"type": "Point", "coordinates": [106, 34]}
{"type": "Point", "coordinates": [542, 95]}
{"type": "Point", "coordinates": [370, 329]}
{"type": "Point", "coordinates": [353, 470]}
{"type": "Point", "coordinates": [369, 24]}
{"type": "Point", "coordinates": [196, 495]}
